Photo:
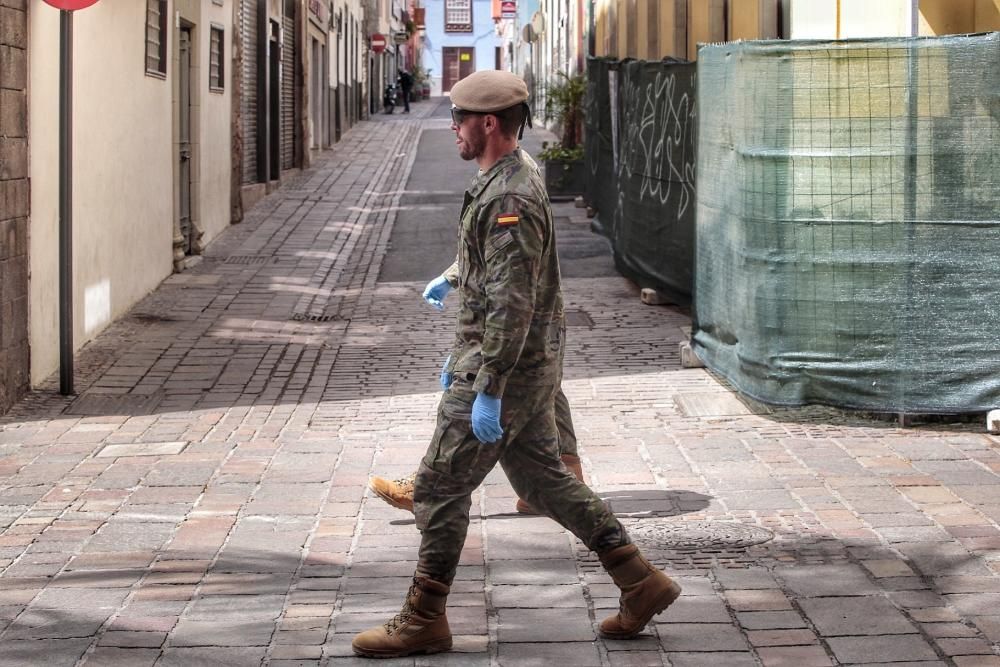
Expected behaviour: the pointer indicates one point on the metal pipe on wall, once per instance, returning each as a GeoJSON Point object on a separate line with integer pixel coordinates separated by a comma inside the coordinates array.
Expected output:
{"type": "Point", "coordinates": [65, 202]}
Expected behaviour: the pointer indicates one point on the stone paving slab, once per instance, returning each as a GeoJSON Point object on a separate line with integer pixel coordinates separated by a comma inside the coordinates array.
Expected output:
{"type": "Point", "coordinates": [204, 500]}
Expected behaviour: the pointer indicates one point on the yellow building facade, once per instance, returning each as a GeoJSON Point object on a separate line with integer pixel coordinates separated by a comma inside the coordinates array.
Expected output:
{"type": "Point", "coordinates": [655, 29]}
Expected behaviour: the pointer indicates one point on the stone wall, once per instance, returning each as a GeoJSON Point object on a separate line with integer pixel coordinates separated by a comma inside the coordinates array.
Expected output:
{"type": "Point", "coordinates": [14, 357]}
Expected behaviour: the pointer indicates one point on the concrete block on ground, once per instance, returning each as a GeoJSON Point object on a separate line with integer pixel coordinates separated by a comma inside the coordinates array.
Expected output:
{"type": "Point", "coordinates": [993, 421]}
{"type": "Point", "coordinates": [688, 358]}
{"type": "Point", "coordinates": [651, 297]}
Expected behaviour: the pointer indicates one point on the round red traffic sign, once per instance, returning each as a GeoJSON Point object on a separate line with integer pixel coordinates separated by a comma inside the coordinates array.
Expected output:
{"type": "Point", "coordinates": [71, 4]}
{"type": "Point", "coordinates": [378, 43]}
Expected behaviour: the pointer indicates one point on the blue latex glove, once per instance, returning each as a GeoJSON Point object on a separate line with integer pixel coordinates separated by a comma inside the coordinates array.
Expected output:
{"type": "Point", "coordinates": [486, 418]}
{"type": "Point", "coordinates": [436, 291]}
{"type": "Point", "coordinates": [445, 375]}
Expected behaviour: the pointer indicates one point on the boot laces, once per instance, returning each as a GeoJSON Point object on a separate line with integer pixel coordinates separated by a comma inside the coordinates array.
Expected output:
{"type": "Point", "coordinates": [406, 483]}
{"type": "Point", "coordinates": [401, 619]}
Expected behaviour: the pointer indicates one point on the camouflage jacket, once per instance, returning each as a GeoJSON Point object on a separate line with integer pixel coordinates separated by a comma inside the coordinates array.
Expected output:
{"type": "Point", "coordinates": [510, 326]}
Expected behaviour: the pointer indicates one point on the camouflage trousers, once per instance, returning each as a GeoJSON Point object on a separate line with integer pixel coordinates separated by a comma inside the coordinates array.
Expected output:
{"type": "Point", "coordinates": [456, 463]}
{"type": "Point", "coordinates": [564, 425]}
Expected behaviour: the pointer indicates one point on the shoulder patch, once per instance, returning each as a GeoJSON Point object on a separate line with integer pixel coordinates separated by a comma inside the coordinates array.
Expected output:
{"type": "Point", "coordinates": [507, 219]}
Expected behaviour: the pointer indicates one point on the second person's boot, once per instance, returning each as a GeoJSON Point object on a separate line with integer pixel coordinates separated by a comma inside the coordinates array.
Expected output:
{"type": "Point", "coordinates": [645, 591]}
{"type": "Point", "coordinates": [396, 492]}
{"type": "Point", "coordinates": [420, 627]}
{"type": "Point", "coordinates": [570, 461]}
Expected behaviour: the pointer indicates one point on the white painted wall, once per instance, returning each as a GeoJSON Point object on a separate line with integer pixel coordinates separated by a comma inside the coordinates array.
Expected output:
{"type": "Point", "coordinates": [337, 55]}
{"type": "Point", "coordinates": [857, 18]}
{"type": "Point", "coordinates": [123, 165]}
{"type": "Point", "coordinates": [214, 122]}
{"type": "Point", "coordinates": [122, 175]}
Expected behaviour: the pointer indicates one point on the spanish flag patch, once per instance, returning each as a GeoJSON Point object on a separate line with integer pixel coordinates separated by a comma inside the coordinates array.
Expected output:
{"type": "Point", "coordinates": [507, 219]}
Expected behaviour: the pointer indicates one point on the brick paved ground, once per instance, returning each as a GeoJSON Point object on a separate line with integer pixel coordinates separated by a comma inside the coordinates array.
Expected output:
{"type": "Point", "coordinates": [203, 501]}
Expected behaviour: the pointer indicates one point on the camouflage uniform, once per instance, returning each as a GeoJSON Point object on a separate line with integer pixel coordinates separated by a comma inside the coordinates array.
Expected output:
{"type": "Point", "coordinates": [509, 342]}
{"type": "Point", "coordinates": [564, 417]}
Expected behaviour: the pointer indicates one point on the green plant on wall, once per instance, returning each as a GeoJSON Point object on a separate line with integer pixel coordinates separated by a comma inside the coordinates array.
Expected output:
{"type": "Point", "coordinates": [420, 75]}
{"type": "Point", "coordinates": [556, 153]}
{"type": "Point", "coordinates": [564, 98]}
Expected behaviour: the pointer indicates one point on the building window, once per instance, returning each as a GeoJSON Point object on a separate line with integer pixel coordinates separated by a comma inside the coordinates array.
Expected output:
{"type": "Point", "coordinates": [458, 16]}
{"type": "Point", "coordinates": [156, 37]}
{"type": "Point", "coordinates": [216, 63]}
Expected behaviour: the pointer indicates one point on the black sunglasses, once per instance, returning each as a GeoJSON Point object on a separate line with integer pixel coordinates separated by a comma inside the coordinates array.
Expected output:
{"type": "Point", "coordinates": [458, 115]}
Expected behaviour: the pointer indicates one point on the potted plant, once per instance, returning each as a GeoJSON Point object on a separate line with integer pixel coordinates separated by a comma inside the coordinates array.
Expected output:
{"type": "Point", "coordinates": [421, 82]}
{"type": "Point", "coordinates": [426, 84]}
{"type": "Point", "coordinates": [565, 173]}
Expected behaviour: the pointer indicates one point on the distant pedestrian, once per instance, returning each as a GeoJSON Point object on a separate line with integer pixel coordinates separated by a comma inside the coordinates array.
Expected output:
{"type": "Point", "coordinates": [506, 366]}
{"type": "Point", "coordinates": [406, 83]}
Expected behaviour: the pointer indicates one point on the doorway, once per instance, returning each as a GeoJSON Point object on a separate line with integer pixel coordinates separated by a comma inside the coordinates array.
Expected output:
{"type": "Point", "coordinates": [274, 101]}
{"type": "Point", "coordinates": [186, 244]}
{"type": "Point", "coordinates": [459, 62]}
{"type": "Point", "coordinates": [319, 137]}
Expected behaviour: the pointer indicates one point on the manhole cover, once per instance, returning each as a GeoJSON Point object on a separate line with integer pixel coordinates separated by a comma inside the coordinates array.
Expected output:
{"type": "Point", "coordinates": [654, 534]}
{"type": "Point", "coordinates": [313, 317]}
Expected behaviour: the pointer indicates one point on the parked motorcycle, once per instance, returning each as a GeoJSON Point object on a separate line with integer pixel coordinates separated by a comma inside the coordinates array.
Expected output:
{"type": "Point", "coordinates": [390, 98]}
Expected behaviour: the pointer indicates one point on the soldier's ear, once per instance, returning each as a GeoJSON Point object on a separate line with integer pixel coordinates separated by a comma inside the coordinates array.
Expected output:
{"type": "Point", "coordinates": [491, 122]}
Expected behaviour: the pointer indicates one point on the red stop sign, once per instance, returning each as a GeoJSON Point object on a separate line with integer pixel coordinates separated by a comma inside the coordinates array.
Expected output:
{"type": "Point", "coordinates": [71, 4]}
{"type": "Point", "coordinates": [378, 43]}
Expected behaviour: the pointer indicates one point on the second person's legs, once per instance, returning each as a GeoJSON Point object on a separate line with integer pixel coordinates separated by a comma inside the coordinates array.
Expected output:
{"type": "Point", "coordinates": [399, 492]}
{"type": "Point", "coordinates": [567, 447]}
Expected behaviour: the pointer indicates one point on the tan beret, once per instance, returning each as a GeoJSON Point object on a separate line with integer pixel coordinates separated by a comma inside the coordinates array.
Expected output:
{"type": "Point", "coordinates": [489, 90]}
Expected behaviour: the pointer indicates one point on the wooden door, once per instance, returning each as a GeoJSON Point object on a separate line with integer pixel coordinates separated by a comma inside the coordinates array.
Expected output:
{"type": "Point", "coordinates": [184, 142]}
{"type": "Point", "coordinates": [459, 62]}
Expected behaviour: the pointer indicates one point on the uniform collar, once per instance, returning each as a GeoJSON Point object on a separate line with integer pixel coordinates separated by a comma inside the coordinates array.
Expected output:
{"type": "Point", "coordinates": [483, 179]}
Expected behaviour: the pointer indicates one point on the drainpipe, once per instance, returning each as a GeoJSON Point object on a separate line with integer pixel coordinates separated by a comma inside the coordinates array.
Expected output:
{"type": "Point", "coordinates": [65, 202]}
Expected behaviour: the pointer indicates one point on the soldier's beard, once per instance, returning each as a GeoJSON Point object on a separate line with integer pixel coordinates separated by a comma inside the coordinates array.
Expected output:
{"type": "Point", "coordinates": [473, 143]}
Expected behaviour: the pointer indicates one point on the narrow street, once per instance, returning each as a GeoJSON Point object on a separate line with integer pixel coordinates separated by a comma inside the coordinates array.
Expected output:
{"type": "Point", "coordinates": [203, 500]}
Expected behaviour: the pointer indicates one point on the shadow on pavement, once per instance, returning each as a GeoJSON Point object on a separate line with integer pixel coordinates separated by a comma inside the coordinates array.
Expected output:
{"type": "Point", "coordinates": [631, 504]}
{"type": "Point", "coordinates": [238, 610]}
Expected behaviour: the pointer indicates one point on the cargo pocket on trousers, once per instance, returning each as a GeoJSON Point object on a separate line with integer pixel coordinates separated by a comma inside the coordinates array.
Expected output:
{"type": "Point", "coordinates": [555, 335]}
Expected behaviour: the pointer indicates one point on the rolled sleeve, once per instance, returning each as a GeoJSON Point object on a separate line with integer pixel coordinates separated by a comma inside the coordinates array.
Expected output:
{"type": "Point", "coordinates": [451, 274]}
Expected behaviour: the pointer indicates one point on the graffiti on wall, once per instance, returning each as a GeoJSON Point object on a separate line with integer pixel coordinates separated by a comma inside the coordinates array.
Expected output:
{"type": "Point", "coordinates": [642, 124]}
{"type": "Point", "coordinates": [658, 139]}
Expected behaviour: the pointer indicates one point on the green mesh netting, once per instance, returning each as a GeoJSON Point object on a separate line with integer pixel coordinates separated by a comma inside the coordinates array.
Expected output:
{"type": "Point", "coordinates": [848, 221]}
{"type": "Point", "coordinates": [640, 146]}
{"type": "Point", "coordinates": [599, 143]}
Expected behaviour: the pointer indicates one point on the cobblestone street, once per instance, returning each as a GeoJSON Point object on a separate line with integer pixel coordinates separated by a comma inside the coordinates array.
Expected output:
{"type": "Point", "coordinates": [203, 500]}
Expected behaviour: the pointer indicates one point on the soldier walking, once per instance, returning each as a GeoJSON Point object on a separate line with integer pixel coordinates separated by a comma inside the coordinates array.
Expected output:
{"type": "Point", "coordinates": [399, 492]}
{"type": "Point", "coordinates": [506, 369]}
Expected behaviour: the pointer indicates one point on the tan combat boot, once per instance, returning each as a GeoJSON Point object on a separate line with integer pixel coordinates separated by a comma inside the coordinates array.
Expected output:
{"type": "Point", "coordinates": [570, 461]}
{"type": "Point", "coordinates": [420, 627]}
{"type": "Point", "coordinates": [645, 592]}
{"type": "Point", "coordinates": [398, 492]}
